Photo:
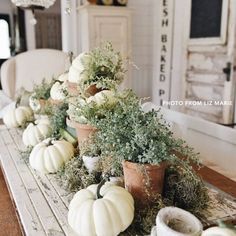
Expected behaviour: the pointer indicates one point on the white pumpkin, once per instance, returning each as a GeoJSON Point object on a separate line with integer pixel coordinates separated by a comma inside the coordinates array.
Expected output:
{"type": "Point", "coordinates": [57, 91]}
{"type": "Point", "coordinates": [105, 96]}
{"type": "Point", "coordinates": [63, 77]}
{"type": "Point", "coordinates": [218, 231]}
{"type": "Point", "coordinates": [16, 116]}
{"type": "Point", "coordinates": [36, 132]}
{"type": "Point", "coordinates": [106, 216]}
{"type": "Point", "coordinates": [49, 155]}
{"type": "Point", "coordinates": [77, 68]}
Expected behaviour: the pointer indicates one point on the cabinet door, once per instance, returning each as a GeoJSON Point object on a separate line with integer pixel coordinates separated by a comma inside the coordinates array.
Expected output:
{"type": "Point", "coordinates": [113, 29]}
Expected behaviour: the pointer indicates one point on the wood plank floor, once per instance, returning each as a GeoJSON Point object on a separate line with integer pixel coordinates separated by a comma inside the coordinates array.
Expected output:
{"type": "Point", "coordinates": [9, 225]}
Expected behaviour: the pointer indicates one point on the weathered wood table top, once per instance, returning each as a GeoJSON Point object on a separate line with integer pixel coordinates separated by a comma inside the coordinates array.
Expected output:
{"type": "Point", "coordinates": [42, 204]}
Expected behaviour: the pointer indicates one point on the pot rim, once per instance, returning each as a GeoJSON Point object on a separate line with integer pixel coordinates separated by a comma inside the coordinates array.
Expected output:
{"type": "Point", "coordinates": [166, 211]}
{"type": "Point", "coordinates": [83, 126]}
{"type": "Point", "coordinates": [133, 165]}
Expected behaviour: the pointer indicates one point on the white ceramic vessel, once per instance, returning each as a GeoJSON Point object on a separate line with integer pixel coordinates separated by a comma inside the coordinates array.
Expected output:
{"type": "Point", "coordinates": [92, 163]}
{"type": "Point", "coordinates": [173, 221]}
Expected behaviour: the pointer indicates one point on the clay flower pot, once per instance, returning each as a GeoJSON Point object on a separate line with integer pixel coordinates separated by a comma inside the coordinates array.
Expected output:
{"type": "Point", "coordinates": [83, 131]}
{"type": "Point", "coordinates": [55, 102]}
{"type": "Point", "coordinates": [173, 221]}
{"type": "Point", "coordinates": [144, 181]}
{"type": "Point", "coordinates": [92, 90]}
{"type": "Point", "coordinates": [92, 163]}
{"type": "Point", "coordinates": [72, 88]}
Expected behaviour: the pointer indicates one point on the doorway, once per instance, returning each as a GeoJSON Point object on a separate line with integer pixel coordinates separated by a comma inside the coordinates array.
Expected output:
{"type": "Point", "coordinates": [207, 38]}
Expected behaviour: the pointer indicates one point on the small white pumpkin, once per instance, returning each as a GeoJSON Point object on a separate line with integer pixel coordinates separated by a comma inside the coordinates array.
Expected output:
{"type": "Point", "coordinates": [16, 116]}
{"type": "Point", "coordinates": [218, 231]}
{"type": "Point", "coordinates": [106, 216]}
{"type": "Point", "coordinates": [36, 132]}
{"type": "Point", "coordinates": [76, 71]}
{"type": "Point", "coordinates": [49, 155]}
{"type": "Point", "coordinates": [57, 91]}
{"type": "Point", "coordinates": [105, 96]}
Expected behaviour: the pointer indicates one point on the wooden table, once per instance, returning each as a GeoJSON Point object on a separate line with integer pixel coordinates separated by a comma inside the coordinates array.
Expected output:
{"type": "Point", "coordinates": [41, 203]}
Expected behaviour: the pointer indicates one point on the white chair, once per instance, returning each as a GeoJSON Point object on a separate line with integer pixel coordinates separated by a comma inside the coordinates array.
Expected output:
{"type": "Point", "coordinates": [31, 67]}
{"type": "Point", "coordinates": [216, 143]}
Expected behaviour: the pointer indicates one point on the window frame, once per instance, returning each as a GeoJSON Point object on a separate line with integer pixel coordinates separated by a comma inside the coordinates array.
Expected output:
{"type": "Point", "coordinates": [223, 31]}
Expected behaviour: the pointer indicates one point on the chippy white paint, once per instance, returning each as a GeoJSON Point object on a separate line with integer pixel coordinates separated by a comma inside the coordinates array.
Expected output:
{"type": "Point", "coordinates": [197, 65]}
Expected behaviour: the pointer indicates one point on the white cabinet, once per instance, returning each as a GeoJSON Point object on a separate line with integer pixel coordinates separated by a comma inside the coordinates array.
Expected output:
{"type": "Point", "coordinates": [98, 24]}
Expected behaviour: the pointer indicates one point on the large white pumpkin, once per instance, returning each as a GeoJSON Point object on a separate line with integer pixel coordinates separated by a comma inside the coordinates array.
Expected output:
{"type": "Point", "coordinates": [218, 231]}
{"type": "Point", "coordinates": [107, 216]}
{"type": "Point", "coordinates": [49, 155]}
{"type": "Point", "coordinates": [16, 116]}
{"type": "Point", "coordinates": [36, 132]}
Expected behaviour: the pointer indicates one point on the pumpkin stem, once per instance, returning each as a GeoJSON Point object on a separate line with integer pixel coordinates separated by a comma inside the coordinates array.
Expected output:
{"type": "Point", "coordinates": [49, 143]}
{"type": "Point", "coordinates": [106, 177]}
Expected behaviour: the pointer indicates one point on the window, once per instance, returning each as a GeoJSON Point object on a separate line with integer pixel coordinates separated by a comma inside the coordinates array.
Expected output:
{"type": "Point", "coordinates": [4, 39]}
{"type": "Point", "coordinates": [208, 21]}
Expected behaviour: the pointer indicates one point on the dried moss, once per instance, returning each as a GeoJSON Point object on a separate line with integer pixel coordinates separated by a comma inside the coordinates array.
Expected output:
{"type": "Point", "coordinates": [185, 189]}
{"type": "Point", "coordinates": [74, 176]}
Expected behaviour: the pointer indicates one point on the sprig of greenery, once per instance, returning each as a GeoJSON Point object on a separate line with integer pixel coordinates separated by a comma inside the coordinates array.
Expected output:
{"type": "Point", "coordinates": [74, 176]}
{"type": "Point", "coordinates": [105, 68]}
{"type": "Point", "coordinates": [58, 119]}
{"type": "Point", "coordinates": [42, 90]}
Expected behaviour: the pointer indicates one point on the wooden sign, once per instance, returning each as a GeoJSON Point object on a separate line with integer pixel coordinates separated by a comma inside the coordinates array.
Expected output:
{"type": "Point", "coordinates": [164, 59]}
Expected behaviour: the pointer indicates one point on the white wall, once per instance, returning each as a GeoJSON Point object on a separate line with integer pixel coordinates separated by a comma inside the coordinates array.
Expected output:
{"type": "Point", "coordinates": [142, 44]}
{"type": "Point", "coordinates": [6, 7]}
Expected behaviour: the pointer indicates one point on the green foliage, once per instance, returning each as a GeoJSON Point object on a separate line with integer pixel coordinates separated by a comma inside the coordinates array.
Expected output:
{"type": "Point", "coordinates": [58, 119]}
{"type": "Point", "coordinates": [104, 68]}
{"type": "Point", "coordinates": [42, 91]}
{"type": "Point", "coordinates": [127, 133]}
{"type": "Point", "coordinates": [90, 147]}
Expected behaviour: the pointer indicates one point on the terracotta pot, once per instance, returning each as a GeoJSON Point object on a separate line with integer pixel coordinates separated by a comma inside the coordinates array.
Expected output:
{"type": "Point", "coordinates": [173, 221]}
{"type": "Point", "coordinates": [83, 131]}
{"type": "Point", "coordinates": [144, 181]}
{"type": "Point", "coordinates": [92, 90]}
{"type": "Point", "coordinates": [55, 102]}
{"type": "Point", "coordinates": [72, 88]}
